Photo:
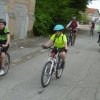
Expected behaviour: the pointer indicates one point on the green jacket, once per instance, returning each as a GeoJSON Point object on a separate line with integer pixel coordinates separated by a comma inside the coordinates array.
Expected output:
{"type": "Point", "coordinates": [3, 34]}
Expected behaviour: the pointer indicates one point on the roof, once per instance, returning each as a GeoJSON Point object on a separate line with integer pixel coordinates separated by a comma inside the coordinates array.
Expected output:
{"type": "Point", "coordinates": [91, 10]}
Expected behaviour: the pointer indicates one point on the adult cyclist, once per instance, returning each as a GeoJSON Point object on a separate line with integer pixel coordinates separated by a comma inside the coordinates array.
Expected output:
{"type": "Point", "coordinates": [59, 40]}
{"type": "Point", "coordinates": [73, 25]}
{"type": "Point", "coordinates": [92, 27]}
{"type": "Point", "coordinates": [4, 43]}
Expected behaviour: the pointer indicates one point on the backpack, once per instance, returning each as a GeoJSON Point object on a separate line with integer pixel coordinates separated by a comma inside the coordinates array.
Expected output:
{"type": "Point", "coordinates": [74, 24]}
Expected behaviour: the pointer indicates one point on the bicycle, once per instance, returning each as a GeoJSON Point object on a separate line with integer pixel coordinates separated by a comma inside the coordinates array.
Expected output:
{"type": "Point", "coordinates": [91, 31]}
{"type": "Point", "coordinates": [53, 65]}
{"type": "Point", "coordinates": [7, 62]}
{"type": "Point", "coordinates": [72, 37]}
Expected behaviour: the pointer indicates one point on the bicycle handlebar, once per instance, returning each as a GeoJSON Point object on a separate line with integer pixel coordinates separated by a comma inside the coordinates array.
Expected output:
{"type": "Point", "coordinates": [45, 47]}
{"type": "Point", "coordinates": [52, 47]}
{"type": "Point", "coordinates": [58, 49]}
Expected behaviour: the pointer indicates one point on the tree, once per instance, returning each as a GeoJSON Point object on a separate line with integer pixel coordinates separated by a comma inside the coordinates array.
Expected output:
{"type": "Point", "coordinates": [51, 12]}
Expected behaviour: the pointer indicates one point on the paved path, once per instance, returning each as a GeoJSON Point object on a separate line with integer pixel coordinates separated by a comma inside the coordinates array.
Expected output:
{"type": "Point", "coordinates": [80, 80]}
{"type": "Point", "coordinates": [25, 49]}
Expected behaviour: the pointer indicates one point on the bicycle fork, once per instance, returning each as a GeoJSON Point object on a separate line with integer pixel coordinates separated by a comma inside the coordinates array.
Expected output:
{"type": "Point", "coordinates": [52, 65]}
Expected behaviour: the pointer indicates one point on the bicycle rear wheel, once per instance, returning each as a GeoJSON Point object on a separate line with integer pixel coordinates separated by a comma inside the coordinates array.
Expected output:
{"type": "Point", "coordinates": [59, 70]}
{"type": "Point", "coordinates": [46, 74]}
{"type": "Point", "coordinates": [7, 64]}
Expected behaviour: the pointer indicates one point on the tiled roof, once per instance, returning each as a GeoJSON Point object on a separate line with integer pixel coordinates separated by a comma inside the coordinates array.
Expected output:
{"type": "Point", "coordinates": [91, 10]}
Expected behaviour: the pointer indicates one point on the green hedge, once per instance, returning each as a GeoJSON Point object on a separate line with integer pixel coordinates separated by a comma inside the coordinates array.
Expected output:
{"type": "Point", "coordinates": [48, 13]}
{"type": "Point", "coordinates": [42, 24]}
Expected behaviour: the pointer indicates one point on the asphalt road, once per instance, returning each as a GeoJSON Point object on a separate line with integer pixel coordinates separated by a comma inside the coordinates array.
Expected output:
{"type": "Point", "coordinates": [80, 80]}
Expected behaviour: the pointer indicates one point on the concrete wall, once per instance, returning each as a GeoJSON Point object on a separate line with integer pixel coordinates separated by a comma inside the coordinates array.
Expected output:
{"type": "Point", "coordinates": [3, 10]}
{"type": "Point", "coordinates": [19, 14]}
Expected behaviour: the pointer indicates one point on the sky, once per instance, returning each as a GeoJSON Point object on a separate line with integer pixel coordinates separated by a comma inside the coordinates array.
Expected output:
{"type": "Point", "coordinates": [95, 4]}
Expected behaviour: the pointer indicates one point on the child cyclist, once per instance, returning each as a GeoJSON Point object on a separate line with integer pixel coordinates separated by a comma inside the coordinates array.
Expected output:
{"type": "Point", "coordinates": [4, 43]}
{"type": "Point", "coordinates": [58, 39]}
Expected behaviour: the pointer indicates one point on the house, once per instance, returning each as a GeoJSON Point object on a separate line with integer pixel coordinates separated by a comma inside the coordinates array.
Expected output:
{"type": "Point", "coordinates": [93, 13]}
{"type": "Point", "coordinates": [19, 15]}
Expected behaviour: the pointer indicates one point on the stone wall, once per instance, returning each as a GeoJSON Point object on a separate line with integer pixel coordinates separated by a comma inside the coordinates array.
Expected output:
{"type": "Point", "coordinates": [19, 14]}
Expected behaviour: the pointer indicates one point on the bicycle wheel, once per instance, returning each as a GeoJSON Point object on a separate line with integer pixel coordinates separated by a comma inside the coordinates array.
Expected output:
{"type": "Point", "coordinates": [73, 40]}
{"type": "Point", "coordinates": [59, 70]}
{"type": "Point", "coordinates": [69, 40]}
{"type": "Point", "coordinates": [7, 64]}
{"type": "Point", "coordinates": [91, 32]}
{"type": "Point", "coordinates": [46, 74]}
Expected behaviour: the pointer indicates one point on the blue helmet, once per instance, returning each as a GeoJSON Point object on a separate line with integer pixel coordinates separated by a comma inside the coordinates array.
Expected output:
{"type": "Point", "coordinates": [58, 27]}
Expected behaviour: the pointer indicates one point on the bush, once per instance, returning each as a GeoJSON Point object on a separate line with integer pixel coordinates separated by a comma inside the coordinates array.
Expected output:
{"type": "Point", "coordinates": [42, 24]}
{"type": "Point", "coordinates": [48, 13]}
{"type": "Point", "coordinates": [85, 19]}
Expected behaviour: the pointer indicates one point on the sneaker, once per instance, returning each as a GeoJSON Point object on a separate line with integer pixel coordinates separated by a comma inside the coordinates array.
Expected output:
{"type": "Point", "coordinates": [1, 71]}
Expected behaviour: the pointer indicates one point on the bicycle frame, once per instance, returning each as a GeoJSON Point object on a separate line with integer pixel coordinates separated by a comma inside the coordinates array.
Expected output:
{"type": "Point", "coordinates": [53, 60]}
{"type": "Point", "coordinates": [72, 32]}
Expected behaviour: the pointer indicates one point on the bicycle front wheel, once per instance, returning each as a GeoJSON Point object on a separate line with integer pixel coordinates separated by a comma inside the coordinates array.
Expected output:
{"type": "Point", "coordinates": [46, 74]}
{"type": "Point", "coordinates": [59, 70]}
{"type": "Point", "coordinates": [7, 63]}
{"type": "Point", "coordinates": [73, 40]}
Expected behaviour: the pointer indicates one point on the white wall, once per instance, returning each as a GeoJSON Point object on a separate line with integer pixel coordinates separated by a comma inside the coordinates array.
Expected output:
{"type": "Point", "coordinates": [21, 21]}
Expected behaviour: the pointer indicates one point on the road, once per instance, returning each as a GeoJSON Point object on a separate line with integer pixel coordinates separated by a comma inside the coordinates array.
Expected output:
{"type": "Point", "coordinates": [80, 80]}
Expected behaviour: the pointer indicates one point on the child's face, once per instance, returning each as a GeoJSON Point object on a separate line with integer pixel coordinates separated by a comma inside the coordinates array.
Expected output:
{"type": "Point", "coordinates": [2, 25]}
{"type": "Point", "coordinates": [58, 33]}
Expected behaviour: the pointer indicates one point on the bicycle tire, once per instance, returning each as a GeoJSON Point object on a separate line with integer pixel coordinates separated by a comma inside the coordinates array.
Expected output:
{"type": "Point", "coordinates": [73, 40]}
{"type": "Point", "coordinates": [91, 32]}
{"type": "Point", "coordinates": [46, 71]}
{"type": "Point", "coordinates": [7, 64]}
{"type": "Point", "coordinates": [70, 39]}
{"type": "Point", "coordinates": [59, 69]}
